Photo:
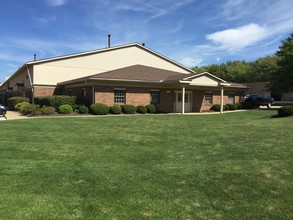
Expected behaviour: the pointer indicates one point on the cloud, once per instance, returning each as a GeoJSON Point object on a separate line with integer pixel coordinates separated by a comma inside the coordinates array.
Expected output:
{"type": "Point", "coordinates": [238, 38]}
{"type": "Point", "coordinates": [191, 61]}
{"type": "Point", "coordinates": [57, 2]}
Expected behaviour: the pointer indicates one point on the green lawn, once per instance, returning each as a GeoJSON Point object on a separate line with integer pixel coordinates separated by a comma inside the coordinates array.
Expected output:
{"type": "Point", "coordinates": [230, 166]}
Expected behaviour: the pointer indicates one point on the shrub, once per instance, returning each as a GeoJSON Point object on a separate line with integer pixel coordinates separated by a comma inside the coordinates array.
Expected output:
{"type": "Point", "coordinates": [151, 108]}
{"type": "Point", "coordinates": [216, 107]}
{"type": "Point", "coordinates": [56, 101]}
{"type": "Point", "coordinates": [42, 100]}
{"type": "Point", "coordinates": [141, 109]}
{"type": "Point", "coordinates": [239, 105]}
{"type": "Point", "coordinates": [47, 110]}
{"type": "Point", "coordinates": [19, 105]}
{"type": "Point", "coordinates": [65, 109]}
{"type": "Point", "coordinates": [13, 101]}
{"type": "Point", "coordinates": [99, 109]}
{"type": "Point", "coordinates": [115, 109]}
{"type": "Point", "coordinates": [128, 109]}
{"type": "Point", "coordinates": [26, 108]}
{"type": "Point", "coordinates": [83, 109]}
{"type": "Point", "coordinates": [232, 106]}
{"type": "Point", "coordinates": [285, 111]}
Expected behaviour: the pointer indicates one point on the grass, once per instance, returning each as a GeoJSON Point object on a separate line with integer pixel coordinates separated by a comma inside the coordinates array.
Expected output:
{"type": "Point", "coordinates": [230, 166]}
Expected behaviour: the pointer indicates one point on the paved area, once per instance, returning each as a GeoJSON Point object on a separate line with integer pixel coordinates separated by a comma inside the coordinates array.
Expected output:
{"type": "Point", "coordinates": [10, 115]}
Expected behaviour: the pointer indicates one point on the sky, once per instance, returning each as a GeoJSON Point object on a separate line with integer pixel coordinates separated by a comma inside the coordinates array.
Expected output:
{"type": "Point", "coordinates": [191, 32]}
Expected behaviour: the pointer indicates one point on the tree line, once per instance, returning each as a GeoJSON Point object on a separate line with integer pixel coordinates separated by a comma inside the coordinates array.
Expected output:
{"type": "Point", "coordinates": [276, 69]}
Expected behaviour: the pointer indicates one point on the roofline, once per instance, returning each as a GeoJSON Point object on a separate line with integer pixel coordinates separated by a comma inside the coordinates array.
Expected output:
{"type": "Point", "coordinates": [109, 49]}
{"type": "Point", "coordinates": [205, 73]}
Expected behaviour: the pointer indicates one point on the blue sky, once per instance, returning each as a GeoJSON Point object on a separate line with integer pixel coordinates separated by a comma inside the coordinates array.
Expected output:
{"type": "Point", "coordinates": [192, 32]}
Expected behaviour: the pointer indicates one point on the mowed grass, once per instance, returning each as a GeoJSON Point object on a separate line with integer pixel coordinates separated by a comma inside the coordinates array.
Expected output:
{"type": "Point", "coordinates": [230, 166]}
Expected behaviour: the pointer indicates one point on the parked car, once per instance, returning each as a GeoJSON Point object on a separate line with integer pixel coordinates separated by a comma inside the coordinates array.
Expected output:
{"type": "Point", "coordinates": [3, 111]}
{"type": "Point", "coordinates": [258, 100]}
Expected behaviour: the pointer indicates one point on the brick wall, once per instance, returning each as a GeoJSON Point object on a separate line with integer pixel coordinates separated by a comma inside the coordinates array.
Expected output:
{"type": "Point", "coordinates": [44, 91]}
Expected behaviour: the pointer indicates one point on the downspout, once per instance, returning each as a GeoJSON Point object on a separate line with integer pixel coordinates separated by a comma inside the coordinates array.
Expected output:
{"type": "Point", "coordinates": [31, 83]}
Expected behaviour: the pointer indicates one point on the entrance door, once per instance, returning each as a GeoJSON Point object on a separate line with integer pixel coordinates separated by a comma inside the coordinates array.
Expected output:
{"type": "Point", "coordinates": [188, 101]}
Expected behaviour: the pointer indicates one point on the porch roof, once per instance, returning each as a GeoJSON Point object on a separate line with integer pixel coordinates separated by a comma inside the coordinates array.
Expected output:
{"type": "Point", "coordinates": [147, 74]}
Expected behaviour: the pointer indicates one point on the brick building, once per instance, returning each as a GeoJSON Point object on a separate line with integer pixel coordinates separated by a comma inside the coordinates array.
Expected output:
{"type": "Point", "coordinates": [128, 74]}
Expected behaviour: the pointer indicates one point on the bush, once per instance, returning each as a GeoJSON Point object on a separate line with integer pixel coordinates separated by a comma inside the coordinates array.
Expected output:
{"type": "Point", "coordinates": [128, 109]}
{"type": "Point", "coordinates": [65, 109]}
{"type": "Point", "coordinates": [99, 109]}
{"type": "Point", "coordinates": [42, 101]}
{"type": "Point", "coordinates": [151, 108]}
{"type": "Point", "coordinates": [56, 101]}
{"type": "Point", "coordinates": [115, 109]}
{"type": "Point", "coordinates": [26, 108]}
{"type": "Point", "coordinates": [13, 101]}
{"type": "Point", "coordinates": [141, 109]}
{"type": "Point", "coordinates": [232, 107]}
{"type": "Point", "coordinates": [47, 110]}
{"type": "Point", "coordinates": [250, 104]}
{"type": "Point", "coordinates": [239, 105]}
{"type": "Point", "coordinates": [83, 109]}
{"type": "Point", "coordinates": [285, 111]}
{"type": "Point", "coordinates": [216, 107]}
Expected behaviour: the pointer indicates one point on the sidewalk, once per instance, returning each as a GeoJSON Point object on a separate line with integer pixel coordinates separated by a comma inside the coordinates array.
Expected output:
{"type": "Point", "coordinates": [11, 115]}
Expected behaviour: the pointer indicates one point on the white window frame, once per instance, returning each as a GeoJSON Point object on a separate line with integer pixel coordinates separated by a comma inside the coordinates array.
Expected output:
{"type": "Point", "coordinates": [119, 98]}
{"type": "Point", "coordinates": [209, 100]}
{"type": "Point", "coordinates": [229, 100]}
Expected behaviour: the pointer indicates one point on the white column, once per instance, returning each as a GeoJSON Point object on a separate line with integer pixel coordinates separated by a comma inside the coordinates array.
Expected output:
{"type": "Point", "coordinates": [183, 99]}
{"type": "Point", "coordinates": [222, 100]}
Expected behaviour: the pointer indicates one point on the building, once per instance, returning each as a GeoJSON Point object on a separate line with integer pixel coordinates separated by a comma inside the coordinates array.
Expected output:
{"type": "Point", "coordinates": [127, 74]}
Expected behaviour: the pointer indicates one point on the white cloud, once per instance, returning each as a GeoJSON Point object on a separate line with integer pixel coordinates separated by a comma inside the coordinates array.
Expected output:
{"type": "Point", "coordinates": [191, 61]}
{"type": "Point", "coordinates": [238, 38]}
{"type": "Point", "coordinates": [57, 2]}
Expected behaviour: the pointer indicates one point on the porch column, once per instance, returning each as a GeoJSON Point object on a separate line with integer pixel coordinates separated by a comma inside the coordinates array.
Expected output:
{"type": "Point", "coordinates": [222, 100]}
{"type": "Point", "coordinates": [183, 100]}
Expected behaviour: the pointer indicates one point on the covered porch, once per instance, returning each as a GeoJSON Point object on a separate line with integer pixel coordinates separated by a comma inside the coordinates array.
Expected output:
{"type": "Point", "coordinates": [202, 91]}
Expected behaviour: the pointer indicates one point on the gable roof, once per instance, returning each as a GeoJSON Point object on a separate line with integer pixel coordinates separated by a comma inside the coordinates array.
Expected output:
{"type": "Point", "coordinates": [136, 73]}
{"type": "Point", "coordinates": [30, 63]}
{"type": "Point", "coordinates": [111, 49]}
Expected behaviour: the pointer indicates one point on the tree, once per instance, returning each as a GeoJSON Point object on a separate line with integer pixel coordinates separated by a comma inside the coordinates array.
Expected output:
{"type": "Point", "coordinates": [263, 69]}
{"type": "Point", "coordinates": [282, 80]}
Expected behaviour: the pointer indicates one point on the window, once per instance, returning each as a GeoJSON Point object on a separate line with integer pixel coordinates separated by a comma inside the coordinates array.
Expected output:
{"type": "Point", "coordinates": [83, 92]}
{"type": "Point", "coordinates": [208, 98]}
{"type": "Point", "coordinates": [231, 97]}
{"type": "Point", "coordinates": [119, 96]}
{"type": "Point", "coordinates": [155, 96]}
{"type": "Point", "coordinates": [70, 92]}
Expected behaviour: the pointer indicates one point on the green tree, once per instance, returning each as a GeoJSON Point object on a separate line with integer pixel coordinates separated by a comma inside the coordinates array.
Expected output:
{"type": "Point", "coordinates": [263, 69]}
{"type": "Point", "coordinates": [237, 71]}
{"type": "Point", "coordinates": [282, 80]}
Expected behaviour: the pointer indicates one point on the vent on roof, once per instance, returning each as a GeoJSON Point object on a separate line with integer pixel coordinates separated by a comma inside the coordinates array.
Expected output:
{"type": "Point", "coordinates": [109, 40]}
{"type": "Point", "coordinates": [35, 57]}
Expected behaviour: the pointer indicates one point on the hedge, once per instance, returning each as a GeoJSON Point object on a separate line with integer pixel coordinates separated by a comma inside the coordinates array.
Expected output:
{"type": "Point", "coordinates": [128, 109]}
{"type": "Point", "coordinates": [65, 109]}
{"type": "Point", "coordinates": [99, 109]}
{"type": "Point", "coordinates": [83, 109]}
{"type": "Point", "coordinates": [13, 101]}
{"type": "Point", "coordinates": [47, 110]}
{"type": "Point", "coordinates": [141, 109]}
{"type": "Point", "coordinates": [151, 108]}
{"type": "Point", "coordinates": [285, 111]}
{"type": "Point", "coordinates": [115, 109]}
{"type": "Point", "coordinates": [56, 101]}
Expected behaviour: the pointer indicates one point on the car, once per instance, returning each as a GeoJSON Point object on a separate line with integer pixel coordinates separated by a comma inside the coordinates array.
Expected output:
{"type": "Point", "coordinates": [3, 111]}
{"type": "Point", "coordinates": [258, 100]}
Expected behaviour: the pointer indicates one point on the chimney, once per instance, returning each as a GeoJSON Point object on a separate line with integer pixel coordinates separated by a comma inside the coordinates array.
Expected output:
{"type": "Point", "coordinates": [35, 57]}
{"type": "Point", "coordinates": [109, 40]}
